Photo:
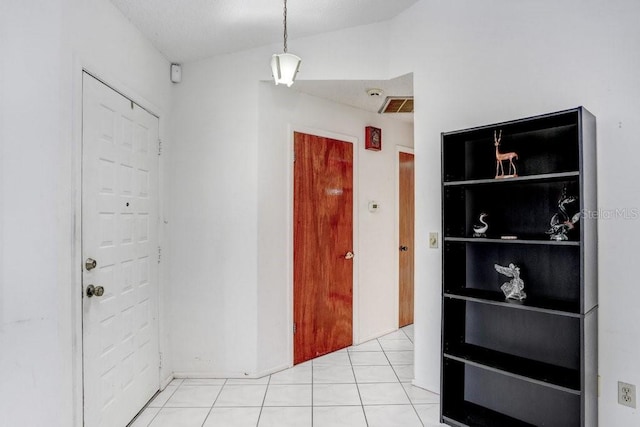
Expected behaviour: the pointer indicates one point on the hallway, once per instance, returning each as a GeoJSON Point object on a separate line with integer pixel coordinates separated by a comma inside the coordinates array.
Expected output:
{"type": "Point", "coordinates": [365, 385]}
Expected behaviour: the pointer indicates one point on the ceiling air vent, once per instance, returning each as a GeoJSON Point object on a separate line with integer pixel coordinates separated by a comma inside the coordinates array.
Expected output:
{"type": "Point", "coordinates": [397, 104]}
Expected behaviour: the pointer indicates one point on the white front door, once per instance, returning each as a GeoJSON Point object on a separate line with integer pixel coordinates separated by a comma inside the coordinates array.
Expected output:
{"type": "Point", "coordinates": [119, 231]}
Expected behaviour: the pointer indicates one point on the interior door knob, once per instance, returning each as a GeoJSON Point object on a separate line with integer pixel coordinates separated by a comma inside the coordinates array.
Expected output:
{"type": "Point", "coordinates": [90, 264]}
{"type": "Point", "coordinates": [97, 291]}
{"type": "Point", "coordinates": [348, 255]}
{"type": "Point", "coordinates": [404, 248]}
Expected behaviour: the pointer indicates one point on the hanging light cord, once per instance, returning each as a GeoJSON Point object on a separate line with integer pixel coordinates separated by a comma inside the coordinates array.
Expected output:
{"type": "Point", "coordinates": [285, 26]}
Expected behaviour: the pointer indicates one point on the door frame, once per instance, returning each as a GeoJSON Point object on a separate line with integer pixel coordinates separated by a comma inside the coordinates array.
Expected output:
{"type": "Point", "coordinates": [291, 128]}
{"type": "Point", "coordinates": [79, 67]}
{"type": "Point", "coordinates": [396, 226]}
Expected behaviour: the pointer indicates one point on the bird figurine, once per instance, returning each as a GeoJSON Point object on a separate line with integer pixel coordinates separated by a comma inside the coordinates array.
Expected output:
{"type": "Point", "coordinates": [561, 223]}
{"type": "Point", "coordinates": [481, 230]}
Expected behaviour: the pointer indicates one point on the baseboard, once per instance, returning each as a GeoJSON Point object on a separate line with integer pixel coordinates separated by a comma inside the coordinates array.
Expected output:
{"type": "Point", "coordinates": [273, 370]}
{"type": "Point", "coordinates": [422, 386]}
{"type": "Point", "coordinates": [165, 382]}
{"type": "Point", "coordinates": [234, 375]}
{"type": "Point", "coordinates": [375, 336]}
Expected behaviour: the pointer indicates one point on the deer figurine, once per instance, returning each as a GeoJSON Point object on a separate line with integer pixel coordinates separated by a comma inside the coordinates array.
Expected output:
{"type": "Point", "coordinates": [500, 157]}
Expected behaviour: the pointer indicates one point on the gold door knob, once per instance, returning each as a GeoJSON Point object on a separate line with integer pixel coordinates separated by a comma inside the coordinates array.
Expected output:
{"type": "Point", "coordinates": [349, 255]}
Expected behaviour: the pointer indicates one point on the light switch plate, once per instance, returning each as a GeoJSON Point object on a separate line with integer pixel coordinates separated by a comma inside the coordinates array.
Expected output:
{"type": "Point", "coordinates": [433, 240]}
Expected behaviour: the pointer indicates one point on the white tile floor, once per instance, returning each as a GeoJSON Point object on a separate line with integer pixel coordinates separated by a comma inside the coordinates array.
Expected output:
{"type": "Point", "coordinates": [365, 385]}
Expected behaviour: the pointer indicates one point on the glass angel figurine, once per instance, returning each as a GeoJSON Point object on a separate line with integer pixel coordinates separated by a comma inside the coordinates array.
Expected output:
{"type": "Point", "coordinates": [513, 289]}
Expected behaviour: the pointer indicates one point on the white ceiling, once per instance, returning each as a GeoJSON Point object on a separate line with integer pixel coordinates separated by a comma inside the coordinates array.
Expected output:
{"type": "Point", "coordinates": [189, 30]}
{"type": "Point", "coordinates": [194, 29]}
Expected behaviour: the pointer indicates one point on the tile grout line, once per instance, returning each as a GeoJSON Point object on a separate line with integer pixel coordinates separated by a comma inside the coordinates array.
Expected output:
{"type": "Point", "coordinates": [410, 384]}
{"type": "Point", "coordinates": [264, 398]}
{"type": "Point", "coordinates": [407, 335]}
{"type": "Point", "coordinates": [366, 421]}
{"type": "Point", "coordinates": [163, 405]}
{"type": "Point", "coordinates": [214, 401]}
{"type": "Point", "coordinates": [400, 382]}
{"type": "Point", "coordinates": [414, 364]}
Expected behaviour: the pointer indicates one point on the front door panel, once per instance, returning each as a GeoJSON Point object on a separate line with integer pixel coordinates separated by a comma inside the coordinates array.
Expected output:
{"type": "Point", "coordinates": [119, 232]}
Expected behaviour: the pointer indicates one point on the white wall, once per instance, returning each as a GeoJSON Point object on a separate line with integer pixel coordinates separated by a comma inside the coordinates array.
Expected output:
{"type": "Point", "coordinates": [33, 295]}
{"type": "Point", "coordinates": [227, 196]}
{"type": "Point", "coordinates": [212, 219]}
{"type": "Point", "coordinates": [43, 46]}
{"type": "Point", "coordinates": [283, 110]}
{"type": "Point", "coordinates": [476, 63]}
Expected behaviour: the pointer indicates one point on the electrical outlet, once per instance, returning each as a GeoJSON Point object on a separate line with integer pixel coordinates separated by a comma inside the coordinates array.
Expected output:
{"type": "Point", "coordinates": [433, 240]}
{"type": "Point", "coordinates": [627, 394]}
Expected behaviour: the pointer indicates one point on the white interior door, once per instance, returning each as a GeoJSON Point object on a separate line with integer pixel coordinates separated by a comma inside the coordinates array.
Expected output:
{"type": "Point", "coordinates": [119, 231]}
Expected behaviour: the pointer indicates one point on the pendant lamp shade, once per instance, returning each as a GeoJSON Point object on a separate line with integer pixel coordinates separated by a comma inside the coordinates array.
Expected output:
{"type": "Point", "coordinates": [285, 67]}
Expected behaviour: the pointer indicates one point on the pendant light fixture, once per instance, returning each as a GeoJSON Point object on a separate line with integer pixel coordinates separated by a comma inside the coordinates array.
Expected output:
{"type": "Point", "coordinates": [285, 66]}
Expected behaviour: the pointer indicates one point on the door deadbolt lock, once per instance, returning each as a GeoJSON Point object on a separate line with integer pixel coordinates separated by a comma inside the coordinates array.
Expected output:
{"type": "Point", "coordinates": [97, 291]}
{"type": "Point", "coordinates": [90, 264]}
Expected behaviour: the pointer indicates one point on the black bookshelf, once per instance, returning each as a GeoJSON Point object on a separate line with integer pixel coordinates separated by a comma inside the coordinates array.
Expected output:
{"type": "Point", "coordinates": [545, 305]}
{"type": "Point", "coordinates": [471, 414]}
{"type": "Point", "coordinates": [526, 369]}
{"type": "Point", "coordinates": [532, 362]}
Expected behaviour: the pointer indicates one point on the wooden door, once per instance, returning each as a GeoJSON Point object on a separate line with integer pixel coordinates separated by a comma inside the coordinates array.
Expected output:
{"type": "Point", "coordinates": [121, 358]}
{"type": "Point", "coordinates": [323, 240]}
{"type": "Point", "coordinates": [406, 246]}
